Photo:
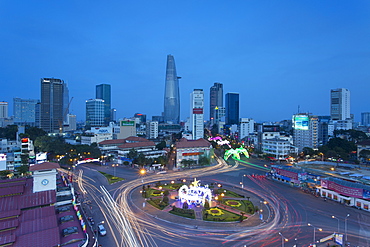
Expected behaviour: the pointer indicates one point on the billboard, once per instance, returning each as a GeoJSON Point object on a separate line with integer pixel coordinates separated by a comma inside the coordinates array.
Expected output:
{"type": "Point", "coordinates": [300, 122]}
{"type": "Point", "coordinates": [127, 123]}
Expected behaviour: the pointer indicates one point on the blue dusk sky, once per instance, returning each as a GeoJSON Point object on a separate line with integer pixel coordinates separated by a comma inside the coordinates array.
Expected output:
{"type": "Point", "coordinates": [278, 55]}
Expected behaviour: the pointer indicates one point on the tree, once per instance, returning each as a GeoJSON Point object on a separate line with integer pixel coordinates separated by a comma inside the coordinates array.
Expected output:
{"type": "Point", "coordinates": [5, 173]}
{"type": "Point", "coordinates": [203, 161]}
{"type": "Point", "coordinates": [161, 145]}
{"type": "Point", "coordinates": [9, 132]}
{"type": "Point", "coordinates": [22, 169]}
{"type": "Point", "coordinates": [308, 151]}
{"type": "Point", "coordinates": [166, 193]}
{"type": "Point", "coordinates": [165, 199]}
{"type": "Point", "coordinates": [206, 204]}
{"type": "Point", "coordinates": [132, 154]}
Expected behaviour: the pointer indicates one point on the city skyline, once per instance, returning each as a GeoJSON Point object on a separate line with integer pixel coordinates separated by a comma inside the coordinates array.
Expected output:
{"type": "Point", "coordinates": [279, 56]}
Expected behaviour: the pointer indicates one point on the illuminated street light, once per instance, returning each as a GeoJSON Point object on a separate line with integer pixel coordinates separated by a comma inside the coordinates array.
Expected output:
{"type": "Point", "coordinates": [336, 219]}
{"type": "Point", "coordinates": [142, 171]}
{"type": "Point", "coordinates": [283, 239]}
{"type": "Point", "coordinates": [114, 169]}
{"type": "Point", "coordinates": [314, 231]}
{"type": "Point", "coordinates": [345, 225]}
{"type": "Point", "coordinates": [242, 183]}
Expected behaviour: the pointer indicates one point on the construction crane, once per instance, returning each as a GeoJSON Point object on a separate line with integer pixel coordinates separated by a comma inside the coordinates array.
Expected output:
{"type": "Point", "coordinates": [64, 115]}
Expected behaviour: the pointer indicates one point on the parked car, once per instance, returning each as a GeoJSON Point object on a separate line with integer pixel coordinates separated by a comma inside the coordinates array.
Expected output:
{"type": "Point", "coordinates": [102, 230]}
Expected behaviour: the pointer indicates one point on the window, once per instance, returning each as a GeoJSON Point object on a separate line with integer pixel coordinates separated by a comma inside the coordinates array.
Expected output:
{"type": "Point", "coordinates": [66, 218]}
{"type": "Point", "coordinates": [70, 230]}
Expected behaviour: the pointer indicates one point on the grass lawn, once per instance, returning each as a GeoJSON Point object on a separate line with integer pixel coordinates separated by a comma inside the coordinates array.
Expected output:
{"type": "Point", "coordinates": [111, 179]}
{"type": "Point", "coordinates": [188, 213]}
{"type": "Point", "coordinates": [170, 186]}
{"type": "Point", "coordinates": [220, 215]}
{"type": "Point", "coordinates": [229, 193]}
{"type": "Point", "coordinates": [153, 193]}
{"type": "Point", "coordinates": [157, 203]}
{"type": "Point", "coordinates": [242, 205]}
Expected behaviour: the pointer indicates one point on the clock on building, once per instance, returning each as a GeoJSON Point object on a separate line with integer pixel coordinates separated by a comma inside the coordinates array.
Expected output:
{"type": "Point", "coordinates": [44, 181]}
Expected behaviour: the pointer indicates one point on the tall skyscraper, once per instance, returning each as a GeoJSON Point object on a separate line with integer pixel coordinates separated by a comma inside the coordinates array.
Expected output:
{"type": "Point", "coordinates": [103, 91]}
{"type": "Point", "coordinates": [171, 96]}
{"type": "Point", "coordinates": [4, 109]}
{"type": "Point", "coordinates": [95, 113]}
{"type": "Point", "coordinates": [365, 118]}
{"type": "Point", "coordinates": [24, 111]}
{"type": "Point", "coordinates": [196, 114]}
{"type": "Point", "coordinates": [340, 104]}
{"type": "Point", "coordinates": [52, 107]}
{"type": "Point", "coordinates": [216, 101]}
{"type": "Point", "coordinates": [232, 108]}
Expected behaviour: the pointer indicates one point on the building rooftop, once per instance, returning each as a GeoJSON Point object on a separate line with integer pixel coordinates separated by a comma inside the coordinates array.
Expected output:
{"type": "Point", "coordinates": [44, 166]}
{"type": "Point", "coordinates": [185, 143]}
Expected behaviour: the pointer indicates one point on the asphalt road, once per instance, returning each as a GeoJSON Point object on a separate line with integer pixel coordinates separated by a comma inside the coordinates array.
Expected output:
{"type": "Point", "coordinates": [289, 211]}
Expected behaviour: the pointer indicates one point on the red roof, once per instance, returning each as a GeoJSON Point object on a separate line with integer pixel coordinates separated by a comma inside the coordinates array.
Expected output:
{"type": "Point", "coordinates": [184, 143]}
{"type": "Point", "coordinates": [44, 166]}
{"type": "Point", "coordinates": [136, 139]}
{"type": "Point", "coordinates": [111, 142]}
{"type": "Point", "coordinates": [38, 238]}
{"type": "Point", "coordinates": [137, 145]}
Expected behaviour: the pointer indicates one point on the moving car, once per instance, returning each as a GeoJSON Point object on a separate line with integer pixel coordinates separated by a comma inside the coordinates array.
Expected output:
{"type": "Point", "coordinates": [102, 230]}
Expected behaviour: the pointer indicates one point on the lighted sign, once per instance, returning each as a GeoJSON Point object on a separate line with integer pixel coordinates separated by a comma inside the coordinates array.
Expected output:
{"type": "Point", "coordinates": [195, 194]}
{"type": "Point", "coordinates": [191, 154]}
{"type": "Point", "coordinates": [236, 153]}
{"type": "Point", "coordinates": [24, 140]}
{"type": "Point", "coordinates": [127, 123]}
{"type": "Point", "coordinates": [300, 122]}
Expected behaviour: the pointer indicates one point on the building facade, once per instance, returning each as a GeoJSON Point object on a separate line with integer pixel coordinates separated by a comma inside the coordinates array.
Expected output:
{"type": "Point", "coordinates": [152, 129]}
{"type": "Point", "coordinates": [340, 104]}
{"type": "Point", "coordinates": [197, 114]}
{"type": "Point", "coordinates": [365, 118]}
{"type": "Point", "coordinates": [4, 108]}
{"type": "Point", "coordinates": [232, 108]}
{"type": "Point", "coordinates": [52, 104]}
{"type": "Point", "coordinates": [305, 131]}
{"type": "Point", "coordinates": [246, 127]}
{"type": "Point", "coordinates": [95, 113]}
{"type": "Point", "coordinates": [103, 91]}
{"type": "Point", "coordinates": [171, 112]}
{"type": "Point", "coordinates": [24, 111]}
{"type": "Point", "coordinates": [216, 100]}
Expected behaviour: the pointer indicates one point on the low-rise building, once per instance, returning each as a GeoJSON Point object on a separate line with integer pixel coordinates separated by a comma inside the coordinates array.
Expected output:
{"type": "Point", "coordinates": [192, 150]}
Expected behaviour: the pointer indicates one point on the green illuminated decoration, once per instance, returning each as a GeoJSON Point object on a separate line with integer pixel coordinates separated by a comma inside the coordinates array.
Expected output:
{"type": "Point", "coordinates": [236, 153]}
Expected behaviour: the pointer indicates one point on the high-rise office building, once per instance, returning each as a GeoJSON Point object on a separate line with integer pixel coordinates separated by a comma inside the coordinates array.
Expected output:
{"type": "Point", "coordinates": [365, 118]}
{"type": "Point", "coordinates": [52, 104]}
{"type": "Point", "coordinates": [305, 131]}
{"type": "Point", "coordinates": [103, 91]}
{"type": "Point", "coordinates": [24, 111]}
{"type": "Point", "coordinates": [197, 114]}
{"type": "Point", "coordinates": [65, 102]}
{"type": "Point", "coordinates": [171, 96]}
{"type": "Point", "coordinates": [340, 104]}
{"type": "Point", "coordinates": [95, 113]}
{"type": "Point", "coordinates": [4, 109]}
{"type": "Point", "coordinates": [232, 108]}
{"type": "Point", "coordinates": [216, 101]}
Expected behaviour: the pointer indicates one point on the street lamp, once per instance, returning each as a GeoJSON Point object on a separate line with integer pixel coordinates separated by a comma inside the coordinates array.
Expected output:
{"type": "Point", "coordinates": [314, 232]}
{"type": "Point", "coordinates": [261, 210]}
{"type": "Point", "coordinates": [243, 180]}
{"type": "Point", "coordinates": [283, 239]}
{"type": "Point", "coordinates": [345, 225]}
{"type": "Point", "coordinates": [114, 167]}
{"type": "Point", "coordinates": [338, 222]}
